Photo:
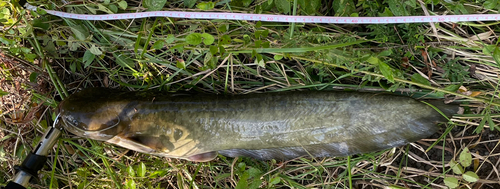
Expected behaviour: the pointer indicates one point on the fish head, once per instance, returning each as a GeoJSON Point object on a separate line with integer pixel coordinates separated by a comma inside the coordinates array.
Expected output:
{"type": "Point", "coordinates": [91, 117]}
{"type": "Point", "coordinates": [151, 133]}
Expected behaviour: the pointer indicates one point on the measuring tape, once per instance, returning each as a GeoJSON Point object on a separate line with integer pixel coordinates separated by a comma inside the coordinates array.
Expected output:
{"type": "Point", "coordinates": [278, 18]}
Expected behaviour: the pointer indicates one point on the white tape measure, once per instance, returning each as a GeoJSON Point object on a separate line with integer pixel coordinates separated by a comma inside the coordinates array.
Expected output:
{"type": "Point", "coordinates": [279, 18]}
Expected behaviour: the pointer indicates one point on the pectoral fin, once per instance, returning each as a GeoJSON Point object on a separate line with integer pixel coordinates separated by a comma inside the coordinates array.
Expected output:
{"type": "Point", "coordinates": [203, 157]}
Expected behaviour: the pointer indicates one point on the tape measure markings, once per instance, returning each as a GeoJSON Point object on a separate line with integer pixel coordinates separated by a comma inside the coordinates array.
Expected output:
{"type": "Point", "coordinates": [278, 18]}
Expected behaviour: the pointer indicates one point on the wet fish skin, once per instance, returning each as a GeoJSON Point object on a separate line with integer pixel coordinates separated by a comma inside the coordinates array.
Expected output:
{"type": "Point", "coordinates": [280, 125]}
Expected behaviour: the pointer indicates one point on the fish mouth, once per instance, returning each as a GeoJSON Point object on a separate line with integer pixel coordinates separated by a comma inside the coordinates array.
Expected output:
{"type": "Point", "coordinates": [73, 126]}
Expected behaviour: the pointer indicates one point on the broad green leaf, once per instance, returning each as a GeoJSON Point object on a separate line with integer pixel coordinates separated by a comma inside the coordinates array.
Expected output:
{"type": "Point", "coordinates": [154, 5]}
{"type": "Point", "coordinates": [130, 171]}
{"type": "Point", "coordinates": [226, 39]}
{"type": "Point", "coordinates": [6, 41]}
{"type": "Point", "coordinates": [41, 11]}
{"type": "Point", "coordinates": [258, 24]}
{"type": "Point", "coordinates": [246, 3]}
{"type": "Point", "coordinates": [207, 38]}
{"type": "Point", "coordinates": [189, 3]}
{"type": "Point", "coordinates": [398, 7]}
{"type": "Point", "coordinates": [15, 50]}
{"type": "Point", "coordinates": [386, 12]}
{"type": "Point", "coordinates": [314, 5]}
{"type": "Point", "coordinates": [178, 47]}
{"type": "Point", "coordinates": [492, 50]}
{"type": "Point", "coordinates": [214, 49]}
{"type": "Point", "coordinates": [257, 33]}
{"type": "Point", "coordinates": [309, 6]}
{"type": "Point", "coordinates": [33, 77]}
{"type": "Point", "coordinates": [490, 4]}
{"type": "Point", "coordinates": [3, 93]}
{"type": "Point", "coordinates": [489, 49]}
{"type": "Point", "coordinates": [194, 39]}
{"type": "Point", "coordinates": [170, 38]}
{"type": "Point", "coordinates": [131, 184]}
{"type": "Point", "coordinates": [386, 71]}
{"type": "Point", "coordinates": [158, 173]}
{"type": "Point", "coordinates": [207, 58]}
{"type": "Point", "coordinates": [275, 180]}
{"type": "Point", "coordinates": [260, 63]}
{"type": "Point", "coordinates": [72, 67]}
{"type": "Point", "coordinates": [459, 8]}
{"type": "Point", "coordinates": [385, 53]}
{"type": "Point", "coordinates": [283, 6]}
{"type": "Point", "coordinates": [141, 170]}
{"type": "Point", "coordinates": [123, 5]}
{"type": "Point", "coordinates": [113, 8]}
{"type": "Point", "coordinates": [88, 58]}
{"type": "Point", "coordinates": [95, 50]}
{"type": "Point", "coordinates": [413, 3]}
{"type": "Point", "coordinates": [159, 44]}
{"type": "Point", "coordinates": [25, 50]}
{"type": "Point", "coordinates": [243, 182]}
{"type": "Point", "coordinates": [41, 23]}
{"type": "Point", "coordinates": [266, 44]}
{"type": "Point", "coordinates": [496, 54]}
{"type": "Point", "coordinates": [457, 169]}
{"type": "Point", "coordinates": [373, 60]}
{"type": "Point", "coordinates": [30, 57]}
{"type": "Point", "coordinates": [417, 78]}
{"type": "Point", "coordinates": [256, 182]}
{"type": "Point", "coordinates": [343, 7]}
{"type": "Point", "coordinates": [206, 5]}
{"type": "Point", "coordinates": [91, 9]}
{"type": "Point", "coordinates": [258, 9]}
{"type": "Point", "coordinates": [104, 9]}
{"type": "Point", "coordinates": [278, 57]}
{"type": "Point", "coordinates": [470, 176]}
{"type": "Point", "coordinates": [223, 28]}
{"type": "Point", "coordinates": [465, 157]}
{"type": "Point", "coordinates": [253, 172]}
{"type": "Point", "coordinates": [451, 182]}
{"type": "Point", "coordinates": [258, 43]}
{"type": "Point", "coordinates": [264, 33]}
{"type": "Point", "coordinates": [181, 64]}
{"type": "Point", "coordinates": [81, 33]}
{"type": "Point", "coordinates": [222, 50]}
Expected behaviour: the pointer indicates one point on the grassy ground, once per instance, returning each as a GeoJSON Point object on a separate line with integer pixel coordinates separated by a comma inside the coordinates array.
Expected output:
{"type": "Point", "coordinates": [46, 58]}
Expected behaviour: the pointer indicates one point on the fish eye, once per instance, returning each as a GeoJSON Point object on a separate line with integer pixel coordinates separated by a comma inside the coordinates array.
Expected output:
{"type": "Point", "coordinates": [68, 119]}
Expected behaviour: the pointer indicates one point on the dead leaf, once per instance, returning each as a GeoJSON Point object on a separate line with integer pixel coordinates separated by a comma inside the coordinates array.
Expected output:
{"type": "Point", "coordinates": [481, 36]}
{"type": "Point", "coordinates": [475, 93]}
{"type": "Point", "coordinates": [462, 89]}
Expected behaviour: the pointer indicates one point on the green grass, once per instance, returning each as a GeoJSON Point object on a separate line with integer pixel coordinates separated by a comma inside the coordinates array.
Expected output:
{"type": "Point", "coordinates": [47, 58]}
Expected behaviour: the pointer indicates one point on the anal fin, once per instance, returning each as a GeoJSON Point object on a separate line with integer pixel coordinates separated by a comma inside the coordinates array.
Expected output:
{"type": "Point", "coordinates": [203, 157]}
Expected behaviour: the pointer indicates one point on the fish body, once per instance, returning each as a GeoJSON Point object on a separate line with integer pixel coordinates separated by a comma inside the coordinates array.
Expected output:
{"type": "Point", "coordinates": [281, 125]}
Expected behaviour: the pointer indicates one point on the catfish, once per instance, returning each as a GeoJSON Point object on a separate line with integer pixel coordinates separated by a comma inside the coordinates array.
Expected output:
{"type": "Point", "coordinates": [264, 126]}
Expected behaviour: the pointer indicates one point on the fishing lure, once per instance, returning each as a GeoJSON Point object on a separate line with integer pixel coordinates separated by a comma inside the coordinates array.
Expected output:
{"type": "Point", "coordinates": [279, 125]}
